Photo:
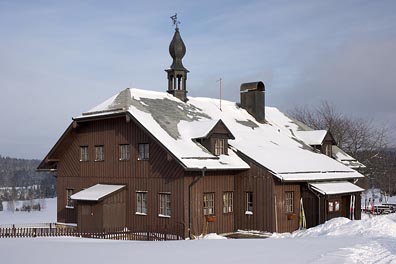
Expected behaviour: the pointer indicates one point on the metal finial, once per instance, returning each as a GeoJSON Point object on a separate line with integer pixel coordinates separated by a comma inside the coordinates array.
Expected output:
{"type": "Point", "coordinates": [175, 21]}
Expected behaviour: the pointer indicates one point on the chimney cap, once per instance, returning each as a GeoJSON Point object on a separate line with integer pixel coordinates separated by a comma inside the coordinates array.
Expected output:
{"type": "Point", "coordinates": [252, 86]}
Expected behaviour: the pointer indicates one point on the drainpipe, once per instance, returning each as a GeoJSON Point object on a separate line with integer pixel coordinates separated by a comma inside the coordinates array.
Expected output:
{"type": "Point", "coordinates": [317, 195]}
{"type": "Point", "coordinates": [190, 200]}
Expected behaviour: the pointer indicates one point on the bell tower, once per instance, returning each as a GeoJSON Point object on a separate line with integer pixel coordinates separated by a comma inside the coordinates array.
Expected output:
{"type": "Point", "coordinates": [177, 74]}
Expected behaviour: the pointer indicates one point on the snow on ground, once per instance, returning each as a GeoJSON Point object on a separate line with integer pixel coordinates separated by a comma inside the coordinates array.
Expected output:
{"type": "Point", "coordinates": [47, 214]}
{"type": "Point", "coordinates": [371, 240]}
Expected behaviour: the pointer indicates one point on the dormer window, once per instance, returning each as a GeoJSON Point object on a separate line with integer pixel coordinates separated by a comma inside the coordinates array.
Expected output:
{"type": "Point", "coordinates": [320, 140]}
{"type": "Point", "coordinates": [219, 146]}
{"type": "Point", "coordinates": [216, 139]}
{"type": "Point", "coordinates": [327, 150]}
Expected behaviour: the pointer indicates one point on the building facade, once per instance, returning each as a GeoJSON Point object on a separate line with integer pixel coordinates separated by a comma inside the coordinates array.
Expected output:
{"type": "Point", "coordinates": [165, 162]}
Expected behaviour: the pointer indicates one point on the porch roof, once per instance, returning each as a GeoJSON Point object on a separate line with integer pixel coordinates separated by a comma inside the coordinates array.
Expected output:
{"type": "Point", "coordinates": [96, 192]}
{"type": "Point", "coordinates": [335, 187]}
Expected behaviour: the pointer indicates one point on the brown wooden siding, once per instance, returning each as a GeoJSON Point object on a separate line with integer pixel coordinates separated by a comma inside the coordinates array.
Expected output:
{"type": "Point", "coordinates": [114, 210]}
{"type": "Point", "coordinates": [99, 216]}
{"type": "Point", "coordinates": [345, 201]}
{"type": "Point", "coordinates": [218, 183]}
{"type": "Point", "coordinates": [311, 205]}
{"type": "Point", "coordinates": [316, 209]}
{"type": "Point", "coordinates": [286, 221]}
{"type": "Point", "coordinates": [160, 173]}
{"type": "Point", "coordinates": [259, 181]}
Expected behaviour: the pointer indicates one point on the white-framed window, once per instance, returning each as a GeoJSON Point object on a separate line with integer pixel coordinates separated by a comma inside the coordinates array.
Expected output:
{"type": "Point", "coordinates": [124, 152]}
{"type": "Point", "coordinates": [69, 201]}
{"type": "Point", "coordinates": [84, 153]}
{"type": "Point", "coordinates": [289, 202]}
{"type": "Point", "coordinates": [228, 202]}
{"type": "Point", "coordinates": [99, 153]}
{"type": "Point", "coordinates": [249, 202]}
{"type": "Point", "coordinates": [330, 206]}
{"type": "Point", "coordinates": [144, 151]}
{"type": "Point", "coordinates": [219, 147]}
{"type": "Point", "coordinates": [141, 202]}
{"type": "Point", "coordinates": [209, 203]}
{"type": "Point", "coordinates": [336, 206]}
{"type": "Point", "coordinates": [164, 204]}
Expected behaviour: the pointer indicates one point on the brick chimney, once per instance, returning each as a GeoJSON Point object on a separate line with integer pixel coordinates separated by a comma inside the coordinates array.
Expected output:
{"type": "Point", "coordinates": [252, 99]}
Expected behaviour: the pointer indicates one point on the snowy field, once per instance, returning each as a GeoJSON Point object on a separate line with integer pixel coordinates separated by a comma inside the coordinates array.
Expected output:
{"type": "Point", "coordinates": [47, 214]}
{"type": "Point", "coordinates": [371, 240]}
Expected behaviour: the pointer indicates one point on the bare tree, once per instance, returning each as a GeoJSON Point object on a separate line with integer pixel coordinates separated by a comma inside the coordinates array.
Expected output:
{"type": "Point", "coordinates": [359, 137]}
{"type": "Point", "coordinates": [354, 136]}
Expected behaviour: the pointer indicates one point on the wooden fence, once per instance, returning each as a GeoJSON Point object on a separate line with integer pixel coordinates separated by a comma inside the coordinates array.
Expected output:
{"type": "Point", "coordinates": [115, 234]}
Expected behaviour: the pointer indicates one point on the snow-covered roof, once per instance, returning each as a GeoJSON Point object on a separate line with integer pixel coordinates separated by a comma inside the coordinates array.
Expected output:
{"type": "Point", "coordinates": [330, 188]}
{"type": "Point", "coordinates": [315, 176]}
{"type": "Point", "coordinates": [306, 135]}
{"type": "Point", "coordinates": [96, 192]}
{"type": "Point", "coordinates": [346, 159]}
{"type": "Point", "coordinates": [313, 137]}
{"type": "Point", "coordinates": [175, 123]}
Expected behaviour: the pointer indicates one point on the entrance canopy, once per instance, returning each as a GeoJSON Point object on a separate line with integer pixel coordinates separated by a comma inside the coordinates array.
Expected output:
{"type": "Point", "coordinates": [96, 192]}
{"type": "Point", "coordinates": [329, 188]}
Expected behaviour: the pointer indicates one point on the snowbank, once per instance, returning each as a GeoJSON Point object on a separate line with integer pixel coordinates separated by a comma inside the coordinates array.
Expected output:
{"type": "Point", "coordinates": [211, 236]}
{"type": "Point", "coordinates": [379, 226]}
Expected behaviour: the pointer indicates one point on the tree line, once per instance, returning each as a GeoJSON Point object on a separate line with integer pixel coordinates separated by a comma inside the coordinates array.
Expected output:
{"type": "Point", "coordinates": [19, 180]}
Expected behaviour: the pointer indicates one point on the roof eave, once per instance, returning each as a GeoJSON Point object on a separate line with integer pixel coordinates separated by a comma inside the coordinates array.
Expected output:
{"type": "Point", "coordinates": [46, 160]}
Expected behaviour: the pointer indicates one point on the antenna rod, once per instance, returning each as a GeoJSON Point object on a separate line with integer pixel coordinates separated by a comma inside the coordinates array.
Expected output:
{"type": "Point", "coordinates": [219, 80]}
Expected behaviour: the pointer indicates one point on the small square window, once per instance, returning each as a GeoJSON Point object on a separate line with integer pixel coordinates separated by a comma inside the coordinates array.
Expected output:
{"type": "Point", "coordinates": [336, 206]}
{"type": "Point", "coordinates": [289, 202]}
{"type": "Point", "coordinates": [249, 202]}
{"type": "Point", "coordinates": [99, 153]}
{"type": "Point", "coordinates": [208, 204]}
{"type": "Point", "coordinates": [124, 152]}
{"type": "Point", "coordinates": [331, 206]}
{"type": "Point", "coordinates": [227, 202]}
{"type": "Point", "coordinates": [84, 153]}
{"type": "Point", "coordinates": [69, 201]}
{"type": "Point", "coordinates": [144, 153]}
{"type": "Point", "coordinates": [164, 205]}
{"type": "Point", "coordinates": [141, 203]}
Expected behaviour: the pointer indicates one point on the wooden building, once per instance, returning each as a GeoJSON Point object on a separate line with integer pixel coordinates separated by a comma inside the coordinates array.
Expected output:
{"type": "Point", "coordinates": [147, 160]}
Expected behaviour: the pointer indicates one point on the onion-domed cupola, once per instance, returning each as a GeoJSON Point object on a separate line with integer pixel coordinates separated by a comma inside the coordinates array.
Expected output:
{"type": "Point", "coordinates": [177, 74]}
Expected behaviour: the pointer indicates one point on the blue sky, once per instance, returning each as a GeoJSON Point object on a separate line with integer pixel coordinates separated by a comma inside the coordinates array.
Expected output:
{"type": "Point", "coordinates": [61, 58]}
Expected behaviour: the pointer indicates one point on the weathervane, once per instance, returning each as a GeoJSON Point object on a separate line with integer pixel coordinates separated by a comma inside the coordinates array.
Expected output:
{"type": "Point", "coordinates": [175, 21]}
